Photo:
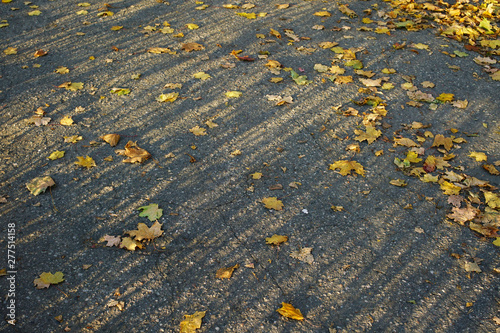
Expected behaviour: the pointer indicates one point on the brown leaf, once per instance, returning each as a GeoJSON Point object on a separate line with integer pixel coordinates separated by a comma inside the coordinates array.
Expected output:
{"type": "Point", "coordinates": [112, 139]}
{"type": "Point", "coordinates": [144, 232]}
{"type": "Point", "coordinates": [112, 240]}
{"type": "Point", "coordinates": [134, 153]}
{"type": "Point", "coordinates": [226, 272]}
{"type": "Point", "coordinates": [188, 47]}
{"type": "Point", "coordinates": [40, 53]}
{"type": "Point", "coordinates": [462, 215]}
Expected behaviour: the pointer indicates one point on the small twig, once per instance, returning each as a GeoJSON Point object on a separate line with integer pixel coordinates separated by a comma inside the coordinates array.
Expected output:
{"type": "Point", "coordinates": [61, 291]}
{"type": "Point", "coordinates": [53, 203]}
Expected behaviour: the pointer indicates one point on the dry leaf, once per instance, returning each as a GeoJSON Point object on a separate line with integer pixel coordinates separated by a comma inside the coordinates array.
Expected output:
{"type": "Point", "coordinates": [112, 240]}
{"type": "Point", "coordinates": [478, 156]}
{"type": "Point", "coordinates": [287, 310]}
{"type": "Point", "coordinates": [85, 162]}
{"type": "Point", "coordinates": [276, 239]}
{"type": "Point", "coordinates": [370, 135]}
{"type": "Point", "coordinates": [46, 279]}
{"type": "Point", "coordinates": [347, 166]}
{"type": "Point", "coordinates": [112, 139]}
{"type": "Point", "coordinates": [119, 304]}
{"type": "Point", "coordinates": [304, 254]}
{"type": "Point", "coordinates": [130, 244]}
{"type": "Point", "coordinates": [226, 273]}
{"type": "Point", "coordinates": [66, 121]}
{"type": "Point", "coordinates": [145, 232]}
{"type": "Point", "coordinates": [134, 153]}
{"type": "Point", "coordinates": [272, 203]}
{"type": "Point", "coordinates": [188, 47]}
{"type": "Point", "coordinates": [192, 322]}
{"type": "Point", "coordinates": [39, 185]}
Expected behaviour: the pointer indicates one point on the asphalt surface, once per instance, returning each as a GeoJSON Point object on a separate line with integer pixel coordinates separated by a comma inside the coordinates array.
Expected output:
{"type": "Point", "coordinates": [387, 259]}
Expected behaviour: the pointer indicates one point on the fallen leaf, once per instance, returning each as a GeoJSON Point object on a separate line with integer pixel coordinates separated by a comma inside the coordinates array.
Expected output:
{"type": "Point", "coordinates": [491, 169]}
{"type": "Point", "coordinates": [192, 322]}
{"type": "Point", "coordinates": [10, 50]}
{"type": "Point", "coordinates": [170, 97]}
{"type": "Point", "coordinates": [275, 33]}
{"type": "Point", "coordinates": [256, 175]}
{"type": "Point", "coordinates": [73, 138]}
{"type": "Point", "coordinates": [201, 76]}
{"type": "Point", "coordinates": [440, 140]}
{"type": "Point", "coordinates": [173, 86]}
{"type": "Point", "coordinates": [85, 162]}
{"type": "Point", "coordinates": [371, 83]}
{"type": "Point", "coordinates": [112, 240]}
{"type": "Point", "coordinates": [398, 182]}
{"type": "Point", "coordinates": [192, 26]}
{"type": "Point", "coordinates": [197, 130]}
{"type": "Point", "coordinates": [304, 254]}
{"type": "Point", "coordinates": [62, 70]}
{"type": "Point", "coordinates": [56, 155]}
{"type": "Point", "coordinates": [347, 166]}
{"type": "Point", "coordinates": [462, 215]}
{"type": "Point", "coordinates": [119, 304]}
{"type": "Point", "coordinates": [120, 91]}
{"type": "Point", "coordinates": [72, 86]}
{"type": "Point", "coordinates": [323, 14]}
{"type": "Point", "coordinates": [159, 50]}
{"type": "Point", "coordinates": [130, 244]}
{"type": "Point", "coordinates": [40, 53]}
{"type": "Point", "coordinates": [39, 184]}
{"type": "Point", "coordinates": [233, 94]}
{"type": "Point", "coordinates": [492, 199]}
{"type": "Point", "coordinates": [134, 153]}
{"type": "Point", "coordinates": [276, 239]}
{"type": "Point", "coordinates": [151, 211]}
{"type": "Point", "coordinates": [188, 47]}
{"type": "Point", "coordinates": [478, 156]}
{"type": "Point", "coordinates": [346, 11]}
{"type": "Point", "coordinates": [445, 97]}
{"type": "Point", "coordinates": [112, 139]}
{"type": "Point", "coordinates": [145, 232]}
{"type": "Point", "coordinates": [226, 272]}
{"type": "Point", "coordinates": [287, 310]}
{"type": "Point", "coordinates": [450, 189]}
{"type": "Point", "coordinates": [472, 267]}
{"type": "Point", "coordinates": [47, 279]}
{"type": "Point", "coordinates": [273, 203]}
{"type": "Point", "coordinates": [66, 121]}
{"type": "Point", "coordinates": [370, 135]}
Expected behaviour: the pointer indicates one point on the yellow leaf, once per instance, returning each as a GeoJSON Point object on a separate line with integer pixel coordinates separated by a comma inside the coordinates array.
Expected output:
{"type": "Point", "coordinates": [116, 27]}
{"type": "Point", "coordinates": [46, 279]}
{"type": "Point", "coordinates": [366, 20]}
{"type": "Point", "coordinates": [179, 35]}
{"type": "Point", "coordinates": [275, 33]}
{"type": "Point", "coordinates": [287, 310]}
{"type": "Point", "coordinates": [192, 26]}
{"type": "Point", "coordinates": [145, 232]}
{"type": "Point", "coordinates": [323, 14]}
{"type": "Point", "coordinates": [72, 138]}
{"type": "Point", "coordinates": [236, 152]}
{"type": "Point", "coordinates": [71, 86]}
{"type": "Point", "coordinates": [388, 71]}
{"type": "Point", "coordinates": [428, 178]}
{"type": "Point", "coordinates": [210, 124]}
{"type": "Point", "coordinates": [478, 156]}
{"type": "Point", "coordinates": [492, 199]}
{"type": "Point", "coordinates": [106, 13]}
{"type": "Point", "coordinates": [256, 175]}
{"type": "Point", "coordinates": [226, 272]}
{"type": "Point", "coordinates": [496, 242]}
{"type": "Point", "coordinates": [201, 76]}
{"type": "Point", "coordinates": [170, 97]}
{"type": "Point", "coordinates": [130, 244]}
{"type": "Point", "coordinates": [412, 157]}
{"type": "Point", "coordinates": [82, 12]}
{"type": "Point", "coordinates": [420, 46]}
{"type": "Point", "coordinates": [276, 239]}
{"type": "Point", "coordinates": [496, 76]}
{"type": "Point", "coordinates": [55, 155]}
{"type": "Point", "coordinates": [450, 189]}
{"type": "Point", "coordinates": [192, 322]}
{"type": "Point", "coordinates": [398, 182]}
{"type": "Point", "coordinates": [276, 79]}
{"type": "Point", "coordinates": [62, 70]}
{"type": "Point", "coordinates": [66, 121]}
{"type": "Point", "coordinates": [34, 13]}
{"type": "Point", "coordinates": [197, 130]}
{"type": "Point", "coordinates": [347, 166]}
{"type": "Point", "coordinates": [229, 6]}
{"type": "Point", "coordinates": [445, 97]}
{"type": "Point", "coordinates": [273, 203]}
{"type": "Point", "coordinates": [112, 139]}
{"type": "Point", "coordinates": [10, 50]}
{"type": "Point", "coordinates": [382, 31]}
{"type": "Point", "coordinates": [247, 15]}
{"type": "Point", "coordinates": [387, 86]}
{"type": "Point", "coordinates": [370, 135]}
{"type": "Point", "coordinates": [233, 94]}
{"type": "Point", "coordinates": [159, 50]}
{"type": "Point", "coordinates": [85, 162]}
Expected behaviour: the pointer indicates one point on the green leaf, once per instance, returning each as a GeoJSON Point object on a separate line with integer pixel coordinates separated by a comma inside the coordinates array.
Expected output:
{"type": "Point", "coordinates": [460, 54]}
{"type": "Point", "coordinates": [356, 64]}
{"type": "Point", "coordinates": [152, 212]}
{"type": "Point", "coordinates": [301, 80]}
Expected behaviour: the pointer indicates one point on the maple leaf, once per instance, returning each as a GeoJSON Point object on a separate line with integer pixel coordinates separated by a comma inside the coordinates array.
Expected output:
{"type": "Point", "coordinates": [256, 175]}
{"type": "Point", "coordinates": [450, 189]}
{"type": "Point", "coordinates": [301, 80]}
{"type": "Point", "coordinates": [287, 310]}
{"type": "Point", "coordinates": [226, 272]}
{"type": "Point", "coordinates": [273, 203]}
{"type": "Point", "coordinates": [159, 50]}
{"type": "Point", "coordinates": [492, 200]}
{"type": "Point", "coordinates": [276, 239]}
{"type": "Point", "coordinates": [192, 26]}
{"type": "Point", "coordinates": [62, 70]}
{"type": "Point", "coordinates": [71, 86]}
{"type": "Point", "coordinates": [130, 244]}
{"type": "Point", "coordinates": [39, 184]}
{"type": "Point", "coordinates": [406, 142]}
{"type": "Point", "coordinates": [10, 50]}
{"type": "Point", "coordinates": [370, 135]}
{"type": "Point", "coordinates": [46, 279]}
{"type": "Point", "coordinates": [111, 240]}
{"type": "Point", "coordinates": [85, 162]}
{"type": "Point", "coordinates": [462, 215]}
{"type": "Point", "coordinates": [304, 254]}
{"type": "Point", "coordinates": [445, 97]}
{"type": "Point", "coordinates": [478, 156]}
{"type": "Point", "coordinates": [55, 155]}
{"type": "Point", "coordinates": [192, 322]}
{"type": "Point", "coordinates": [201, 76]}
{"type": "Point", "coordinates": [347, 166]}
{"type": "Point", "coordinates": [72, 138]}
{"type": "Point", "coordinates": [188, 47]}
{"type": "Point", "coordinates": [145, 232]}
{"type": "Point", "coordinates": [112, 139]}
{"type": "Point", "coordinates": [120, 91]}
{"type": "Point", "coordinates": [371, 83]}
{"type": "Point", "coordinates": [491, 169]}
{"type": "Point", "coordinates": [66, 121]}
{"type": "Point", "coordinates": [233, 94]}
{"type": "Point", "coordinates": [170, 97]}
{"type": "Point", "coordinates": [152, 211]}
{"type": "Point", "coordinates": [412, 157]}
{"type": "Point", "coordinates": [197, 130]}
{"type": "Point", "coordinates": [134, 153]}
